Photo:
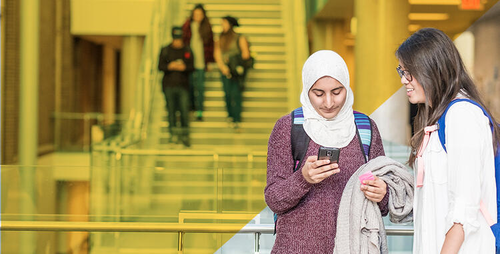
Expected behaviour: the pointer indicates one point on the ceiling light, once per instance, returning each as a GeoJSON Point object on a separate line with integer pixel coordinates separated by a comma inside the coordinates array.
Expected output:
{"type": "Point", "coordinates": [428, 16]}
{"type": "Point", "coordinates": [435, 2]}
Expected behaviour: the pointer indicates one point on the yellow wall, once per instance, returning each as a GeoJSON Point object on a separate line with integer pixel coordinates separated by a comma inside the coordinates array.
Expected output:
{"type": "Point", "coordinates": [111, 17]}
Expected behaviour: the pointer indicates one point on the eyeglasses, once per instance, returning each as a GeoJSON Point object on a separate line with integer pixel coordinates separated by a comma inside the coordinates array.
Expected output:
{"type": "Point", "coordinates": [404, 73]}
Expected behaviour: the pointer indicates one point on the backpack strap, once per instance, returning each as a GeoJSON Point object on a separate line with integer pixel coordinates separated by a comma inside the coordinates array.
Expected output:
{"type": "Point", "coordinates": [442, 139]}
{"type": "Point", "coordinates": [364, 129]}
{"type": "Point", "coordinates": [299, 138]}
{"type": "Point", "coordinates": [442, 119]}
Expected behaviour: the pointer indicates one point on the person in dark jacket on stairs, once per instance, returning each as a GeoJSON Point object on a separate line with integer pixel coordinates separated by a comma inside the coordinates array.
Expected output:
{"type": "Point", "coordinates": [176, 61]}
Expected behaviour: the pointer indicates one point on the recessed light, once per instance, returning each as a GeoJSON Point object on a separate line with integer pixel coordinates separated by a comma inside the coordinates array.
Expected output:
{"type": "Point", "coordinates": [428, 16]}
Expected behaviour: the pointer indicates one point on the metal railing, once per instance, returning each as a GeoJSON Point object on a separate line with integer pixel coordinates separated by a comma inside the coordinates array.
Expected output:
{"type": "Point", "coordinates": [180, 228]}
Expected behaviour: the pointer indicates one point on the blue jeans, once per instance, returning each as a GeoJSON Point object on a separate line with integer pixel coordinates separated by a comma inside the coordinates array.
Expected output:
{"type": "Point", "coordinates": [197, 86]}
{"type": "Point", "coordinates": [233, 97]}
{"type": "Point", "coordinates": [177, 100]}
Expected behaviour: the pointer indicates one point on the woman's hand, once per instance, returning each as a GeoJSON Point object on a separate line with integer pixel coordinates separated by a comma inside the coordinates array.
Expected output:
{"type": "Point", "coordinates": [374, 190]}
{"type": "Point", "coordinates": [225, 70]}
{"type": "Point", "coordinates": [315, 171]}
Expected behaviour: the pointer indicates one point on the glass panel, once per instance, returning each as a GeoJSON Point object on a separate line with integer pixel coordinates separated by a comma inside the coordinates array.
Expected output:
{"type": "Point", "coordinates": [75, 132]}
{"type": "Point", "coordinates": [155, 187]}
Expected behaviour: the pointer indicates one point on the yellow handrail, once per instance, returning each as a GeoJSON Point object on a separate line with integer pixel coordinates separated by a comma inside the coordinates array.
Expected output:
{"type": "Point", "coordinates": [179, 228]}
{"type": "Point", "coordinates": [157, 227]}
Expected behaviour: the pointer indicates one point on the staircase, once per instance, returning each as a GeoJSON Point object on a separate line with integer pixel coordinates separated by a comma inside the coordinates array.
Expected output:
{"type": "Point", "coordinates": [265, 95]}
{"type": "Point", "coordinates": [224, 170]}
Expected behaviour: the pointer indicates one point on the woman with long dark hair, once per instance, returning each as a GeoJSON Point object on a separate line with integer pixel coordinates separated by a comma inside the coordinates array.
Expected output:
{"type": "Point", "coordinates": [459, 166]}
{"type": "Point", "coordinates": [199, 36]}
{"type": "Point", "coordinates": [230, 44]}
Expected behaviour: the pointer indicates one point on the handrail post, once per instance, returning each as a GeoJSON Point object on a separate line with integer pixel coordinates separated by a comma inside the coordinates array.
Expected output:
{"type": "Point", "coordinates": [249, 180]}
{"type": "Point", "coordinates": [219, 176]}
{"type": "Point", "coordinates": [180, 243]}
{"type": "Point", "coordinates": [86, 132]}
{"type": "Point", "coordinates": [257, 243]}
{"type": "Point", "coordinates": [220, 187]}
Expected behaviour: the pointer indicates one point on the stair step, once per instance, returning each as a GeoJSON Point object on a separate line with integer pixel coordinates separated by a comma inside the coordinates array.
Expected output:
{"type": "Point", "coordinates": [267, 116]}
{"type": "Point", "coordinates": [175, 197]}
{"type": "Point", "coordinates": [251, 89]}
{"type": "Point", "coordinates": [249, 94]}
{"type": "Point", "coordinates": [270, 58]}
{"type": "Point", "coordinates": [278, 106]}
{"type": "Point", "coordinates": [222, 136]}
{"type": "Point", "coordinates": [222, 142]}
{"type": "Point", "coordinates": [251, 21]}
{"type": "Point", "coordinates": [195, 184]}
{"type": "Point", "coordinates": [262, 7]}
{"type": "Point", "coordinates": [223, 124]}
{"type": "Point", "coordinates": [211, 130]}
{"type": "Point", "coordinates": [228, 2]}
{"type": "Point", "coordinates": [267, 40]}
{"type": "Point", "coordinates": [242, 14]}
{"type": "Point", "coordinates": [252, 31]}
{"type": "Point", "coordinates": [218, 83]}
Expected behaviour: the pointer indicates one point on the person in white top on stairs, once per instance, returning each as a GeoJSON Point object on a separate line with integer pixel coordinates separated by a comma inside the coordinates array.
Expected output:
{"type": "Point", "coordinates": [447, 216]}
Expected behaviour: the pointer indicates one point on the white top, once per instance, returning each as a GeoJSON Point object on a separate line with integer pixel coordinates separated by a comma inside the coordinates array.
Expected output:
{"type": "Point", "coordinates": [197, 46]}
{"type": "Point", "coordinates": [455, 182]}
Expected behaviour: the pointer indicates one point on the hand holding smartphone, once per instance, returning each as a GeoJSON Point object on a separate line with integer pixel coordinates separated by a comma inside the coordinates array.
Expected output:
{"type": "Point", "coordinates": [329, 153]}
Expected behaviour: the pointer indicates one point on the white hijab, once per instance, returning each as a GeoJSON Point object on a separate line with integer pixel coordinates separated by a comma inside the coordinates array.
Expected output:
{"type": "Point", "coordinates": [340, 130]}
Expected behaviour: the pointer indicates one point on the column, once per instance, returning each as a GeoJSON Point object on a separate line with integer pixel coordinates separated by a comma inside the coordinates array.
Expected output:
{"type": "Point", "coordinates": [329, 34]}
{"type": "Point", "coordinates": [130, 62]}
{"type": "Point", "coordinates": [109, 83]}
{"type": "Point", "coordinates": [28, 116]}
{"type": "Point", "coordinates": [381, 27]}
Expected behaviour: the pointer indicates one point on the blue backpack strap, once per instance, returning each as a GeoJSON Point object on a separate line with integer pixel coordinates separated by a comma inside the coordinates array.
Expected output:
{"type": "Point", "coordinates": [442, 138]}
{"type": "Point", "coordinates": [364, 129]}
{"type": "Point", "coordinates": [442, 122]}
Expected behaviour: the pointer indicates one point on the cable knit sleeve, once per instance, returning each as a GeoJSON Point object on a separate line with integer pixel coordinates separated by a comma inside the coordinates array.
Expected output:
{"type": "Point", "coordinates": [466, 143]}
{"type": "Point", "coordinates": [285, 188]}
{"type": "Point", "coordinates": [376, 150]}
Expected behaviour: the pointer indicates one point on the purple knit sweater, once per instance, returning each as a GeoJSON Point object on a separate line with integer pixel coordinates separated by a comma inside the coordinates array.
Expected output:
{"type": "Point", "coordinates": [307, 213]}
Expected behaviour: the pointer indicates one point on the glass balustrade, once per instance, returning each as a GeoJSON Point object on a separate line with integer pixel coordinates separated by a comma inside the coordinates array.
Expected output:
{"type": "Point", "coordinates": [142, 207]}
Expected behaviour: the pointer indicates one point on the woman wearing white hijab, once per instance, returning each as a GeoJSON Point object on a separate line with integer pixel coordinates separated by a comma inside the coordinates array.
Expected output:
{"type": "Point", "coordinates": [307, 200]}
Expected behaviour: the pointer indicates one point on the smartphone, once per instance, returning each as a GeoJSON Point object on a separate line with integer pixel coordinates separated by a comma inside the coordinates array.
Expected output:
{"type": "Point", "coordinates": [329, 153]}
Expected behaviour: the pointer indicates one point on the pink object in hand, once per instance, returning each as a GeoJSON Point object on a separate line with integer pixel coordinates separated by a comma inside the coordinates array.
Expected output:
{"type": "Point", "coordinates": [366, 176]}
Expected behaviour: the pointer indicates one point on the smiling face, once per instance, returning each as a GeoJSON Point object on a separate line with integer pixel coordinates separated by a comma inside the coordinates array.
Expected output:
{"type": "Point", "coordinates": [327, 97]}
{"type": "Point", "coordinates": [414, 90]}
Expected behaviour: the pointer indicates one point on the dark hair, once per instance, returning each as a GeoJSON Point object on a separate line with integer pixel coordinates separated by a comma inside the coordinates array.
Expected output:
{"type": "Point", "coordinates": [205, 26]}
{"type": "Point", "coordinates": [231, 20]}
{"type": "Point", "coordinates": [227, 37]}
{"type": "Point", "coordinates": [432, 59]}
